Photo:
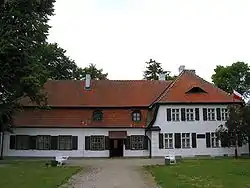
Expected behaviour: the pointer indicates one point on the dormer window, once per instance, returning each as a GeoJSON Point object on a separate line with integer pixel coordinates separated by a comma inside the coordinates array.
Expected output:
{"type": "Point", "coordinates": [97, 115]}
{"type": "Point", "coordinates": [196, 90]}
{"type": "Point", "coordinates": [136, 115]}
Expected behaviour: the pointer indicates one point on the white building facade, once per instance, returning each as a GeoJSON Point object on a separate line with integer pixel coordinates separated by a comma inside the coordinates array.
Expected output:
{"type": "Point", "coordinates": [192, 134]}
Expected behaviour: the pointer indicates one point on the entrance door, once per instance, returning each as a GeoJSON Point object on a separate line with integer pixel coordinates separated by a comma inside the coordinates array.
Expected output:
{"type": "Point", "coordinates": [116, 147]}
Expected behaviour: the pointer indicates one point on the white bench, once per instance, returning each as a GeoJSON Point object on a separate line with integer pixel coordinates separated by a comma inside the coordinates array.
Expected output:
{"type": "Point", "coordinates": [171, 158]}
{"type": "Point", "coordinates": [61, 159]}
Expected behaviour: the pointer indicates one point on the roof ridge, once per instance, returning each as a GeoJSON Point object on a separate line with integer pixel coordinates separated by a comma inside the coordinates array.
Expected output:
{"type": "Point", "coordinates": [168, 88]}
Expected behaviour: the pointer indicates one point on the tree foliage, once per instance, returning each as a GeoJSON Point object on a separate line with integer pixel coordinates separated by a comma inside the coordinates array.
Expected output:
{"type": "Point", "coordinates": [236, 128]}
{"type": "Point", "coordinates": [154, 69]}
{"type": "Point", "coordinates": [95, 73]}
{"type": "Point", "coordinates": [23, 34]}
{"type": "Point", "coordinates": [58, 65]}
{"type": "Point", "coordinates": [233, 77]}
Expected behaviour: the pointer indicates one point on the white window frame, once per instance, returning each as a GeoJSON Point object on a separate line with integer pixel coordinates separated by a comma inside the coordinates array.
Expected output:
{"type": "Point", "coordinates": [137, 142]}
{"type": "Point", "coordinates": [65, 142]}
{"type": "Point", "coordinates": [97, 143]}
{"type": "Point", "coordinates": [175, 114]}
{"type": "Point", "coordinates": [211, 115]}
{"type": "Point", "coordinates": [43, 142]}
{"type": "Point", "coordinates": [224, 114]}
{"type": "Point", "coordinates": [136, 116]}
{"type": "Point", "coordinates": [185, 140]}
{"type": "Point", "coordinates": [189, 114]}
{"type": "Point", "coordinates": [168, 140]}
{"type": "Point", "coordinates": [215, 143]}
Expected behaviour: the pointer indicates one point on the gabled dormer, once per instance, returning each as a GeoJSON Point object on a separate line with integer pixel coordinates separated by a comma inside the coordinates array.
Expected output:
{"type": "Point", "coordinates": [195, 90]}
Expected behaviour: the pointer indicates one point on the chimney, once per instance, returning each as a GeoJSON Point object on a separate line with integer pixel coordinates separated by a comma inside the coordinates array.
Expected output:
{"type": "Point", "coordinates": [162, 76]}
{"type": "Point", "coordinates": [191, 71]}
{"type": "Point", "coordinates": [87, 81]}
{"type": "Point", "coordinates": [181, 68]}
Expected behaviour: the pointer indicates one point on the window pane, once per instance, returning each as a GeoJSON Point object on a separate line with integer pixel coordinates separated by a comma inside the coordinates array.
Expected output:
{"type": "Point", "coordinates": [97, 142]}
{"type": "Point", "coordinates": [97, 115]}
{"type": "Point", "coordinates": [43, 142]}
{"type": "Point", "coordinates": [22, 142]}
{"type": "Point", "coordinates": [137, 142]}
{"type": "Point", "coordinates": [65, 142]}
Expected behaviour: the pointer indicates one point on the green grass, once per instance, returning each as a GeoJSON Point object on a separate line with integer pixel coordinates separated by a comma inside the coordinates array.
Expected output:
{"type": "Point", "coordinates": [210, 173]}
{"type": "Point", "coordinates": [33, 174]}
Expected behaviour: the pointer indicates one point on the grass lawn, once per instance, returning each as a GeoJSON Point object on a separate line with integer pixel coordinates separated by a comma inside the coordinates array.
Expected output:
{"type": "Point", "coordinates": [210, 173]}
{"type": "Point", "coordinates": [33, 174]}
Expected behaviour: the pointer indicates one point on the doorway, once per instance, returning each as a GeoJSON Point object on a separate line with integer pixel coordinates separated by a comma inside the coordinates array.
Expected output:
{"type": "Point", "coordinates": [116, 148]}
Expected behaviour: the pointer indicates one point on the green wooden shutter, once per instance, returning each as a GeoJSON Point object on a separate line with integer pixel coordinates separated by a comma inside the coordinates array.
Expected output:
{"type": "Point", "coordinates": [169, 114]}
{"type": "Point", "coordinates": [75, 142]}
{"type": "Point", "coordinates": [161, 145]}
{"type": "Point", "coordinates": [177, 140]}
{"type": "Point", "coordinates": [183, 114]}
{"type": "Point", "coordinates": [197, 114]}
{"type": "Point", "coordinates": [204, 114]}
{"type": "Point", "coordinates": [128, 143]}
{"type": "Point", "coordinates": [107, 143]}
{"type": "Point", "coordinates": [145, 144]}
{"type": "Point", "coordinates": [239, 140]}
{"type": "Point", "coordinates": [224, 140]}
{"type": "Point", "coordinates": [208, 140]}
{"type": "Point", "coordinates": [12, 142]}
{"type": "Point", "coordinates": [194, 144]}
{"type": "Point", "coordinates": [87, 142]}
{"type": "Point", "coordinates": [54, 143]}
{"type": "Point", "coordinates": [218, 114]}
{"type": "Point", "coordinates": [32, 142]}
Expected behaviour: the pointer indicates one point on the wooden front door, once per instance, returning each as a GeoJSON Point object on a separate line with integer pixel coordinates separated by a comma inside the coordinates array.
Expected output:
{"type": "Point", "coordinates": [116, 147]}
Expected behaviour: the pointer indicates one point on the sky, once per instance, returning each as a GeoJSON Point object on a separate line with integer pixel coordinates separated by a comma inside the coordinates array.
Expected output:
{"type": "Point", "coordinates": [121, 35]}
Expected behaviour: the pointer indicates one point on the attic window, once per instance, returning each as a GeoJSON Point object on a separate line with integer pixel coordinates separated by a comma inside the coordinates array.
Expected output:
{"type": "Point", "coordinates": [196, 90]}
{"type": "Point", "coordinates": [97, 115]}
{"type": "Point", "coordinates": [136, 115]}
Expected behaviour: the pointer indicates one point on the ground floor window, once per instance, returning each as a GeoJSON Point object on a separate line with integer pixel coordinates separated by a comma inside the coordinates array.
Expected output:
{"type": "Point", "coordinates": [43, 142]}
{"type": "Point", "coordinates": [97, 143]}
{"type": "Point", "coordinates": [168, 140]}
{"type": "Point", "coordinates": [214, 140]}
{"type": "Point", "coordinates": [65, 142]}
{"type": "Point", "coordinates": [185, 140]}
{"type": "Point", "coordinates": [137, 142]}
{"type": "Point", "coordinates": [22, 142]}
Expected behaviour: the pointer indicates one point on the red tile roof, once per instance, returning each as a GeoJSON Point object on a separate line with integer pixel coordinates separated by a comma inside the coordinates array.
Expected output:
{"type": "Point", "coordinates": [176, 93]}
{"type": "Point", "coordinates": [103, 93]}
{"type": "Point", "coordinates": [116, 99]}
{"type": "Point", "coordinates": [63, 117]}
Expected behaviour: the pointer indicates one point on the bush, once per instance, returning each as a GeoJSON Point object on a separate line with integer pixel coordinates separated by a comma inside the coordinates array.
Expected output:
{"type": "Point", "coordinates": [53, 163]}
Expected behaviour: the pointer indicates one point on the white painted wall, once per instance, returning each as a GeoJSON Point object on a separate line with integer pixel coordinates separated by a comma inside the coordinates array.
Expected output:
{"type": "Point", "coordinates": [199, 127]}
{"type": "Point", "coordinates": [81, 133]}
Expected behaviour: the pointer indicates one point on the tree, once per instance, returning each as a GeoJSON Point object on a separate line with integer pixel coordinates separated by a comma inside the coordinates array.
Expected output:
{"type": "Point", "coordinates": [154, 69]}
{"type": "Point", "coordinates": [59, 66]}
{"type": "Point", "coordinates": [94, 72]}
{"type": "Point", "coordinates": [23, 34]}
{"type": "Point", "coordinates": [237, 128]}
{"type": "Point", "coordinates": [233, 77]}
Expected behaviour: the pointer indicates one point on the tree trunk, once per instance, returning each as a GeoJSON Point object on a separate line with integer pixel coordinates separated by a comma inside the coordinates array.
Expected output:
{"type": "Point", "coordinates": [2, 145]}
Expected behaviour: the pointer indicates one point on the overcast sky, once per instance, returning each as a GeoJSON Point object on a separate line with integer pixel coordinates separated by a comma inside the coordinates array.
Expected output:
{"type": "Point", "coordinates": [120, 35]}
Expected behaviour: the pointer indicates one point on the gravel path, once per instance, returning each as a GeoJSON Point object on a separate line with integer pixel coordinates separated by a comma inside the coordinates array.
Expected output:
{"type": "Point", "coordinates": [112, 173]}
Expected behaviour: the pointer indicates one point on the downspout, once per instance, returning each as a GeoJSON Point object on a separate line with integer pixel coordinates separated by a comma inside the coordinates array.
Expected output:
{"type": "Point", "coordinates": [150, 149]}
{"type": "Point", "coordinates": [2, 145]}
